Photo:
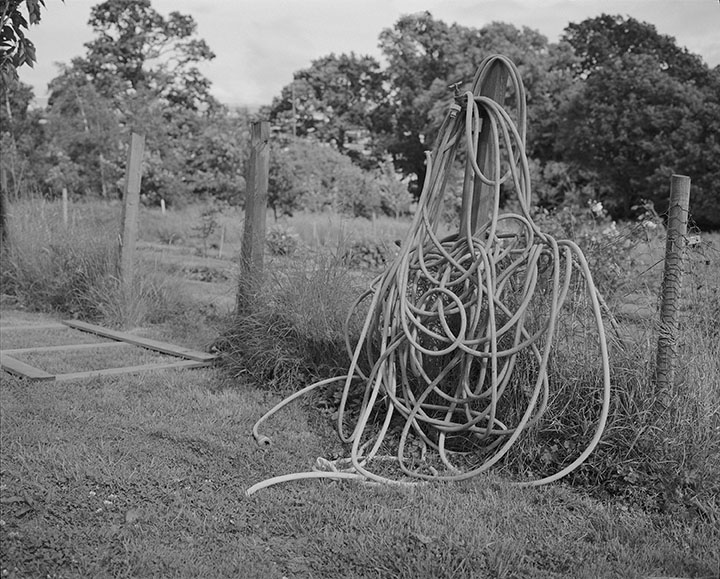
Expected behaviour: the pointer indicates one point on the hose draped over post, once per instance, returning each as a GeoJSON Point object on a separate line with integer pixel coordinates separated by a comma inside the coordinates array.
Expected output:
{"type": "Point", "coordinates": [454, 351]}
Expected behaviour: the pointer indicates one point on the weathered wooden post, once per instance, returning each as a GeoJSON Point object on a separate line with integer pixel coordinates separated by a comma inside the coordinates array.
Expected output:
{"type": "Point", "coordinates": [4, 208]}
{"type": "Point", "coordinates": [253, 243]}
{"type": "Point", "coordinates": [672, 280]}
{"type": "Point", "coordinates": [494, 87]}
{"type": "Point", "coordinates": [129, 223]}
{"type": "Point", "coordinates": [65, 206]}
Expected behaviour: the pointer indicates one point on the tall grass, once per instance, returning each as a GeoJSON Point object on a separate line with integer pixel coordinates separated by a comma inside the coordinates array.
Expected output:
{"type": "Point", "coordinates": [71, 267]}
{"type": "Point", "coordinates": [294, 333]}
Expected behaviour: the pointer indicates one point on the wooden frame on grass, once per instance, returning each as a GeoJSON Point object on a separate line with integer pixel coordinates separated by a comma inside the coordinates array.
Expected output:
{"type": "Point", "coordinates": [188, 358]}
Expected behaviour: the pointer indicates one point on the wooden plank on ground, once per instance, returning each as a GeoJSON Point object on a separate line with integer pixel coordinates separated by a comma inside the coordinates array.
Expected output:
{"type": "Point", "coordinates": [144, 342]}
{"type": "Point", "coordinates": [65, 347]}
{"type": "Point", "coordinates": [46, 326]}
{"type": "Point", "coordinates": [18, 368]}
{"type": "Point", "coordinates": [130, 370]}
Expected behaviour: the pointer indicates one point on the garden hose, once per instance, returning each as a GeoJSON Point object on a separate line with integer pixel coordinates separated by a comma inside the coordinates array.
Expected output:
{"type": "Point", "coordinates": [454, 352]}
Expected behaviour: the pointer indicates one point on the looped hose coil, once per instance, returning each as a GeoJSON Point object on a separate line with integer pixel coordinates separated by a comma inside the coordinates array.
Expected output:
{"type": "Point", "coordinates": [459, 330]}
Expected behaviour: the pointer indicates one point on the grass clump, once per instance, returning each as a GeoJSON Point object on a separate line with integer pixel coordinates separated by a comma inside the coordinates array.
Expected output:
{"type": "Point", "coordinates": [294, 333]}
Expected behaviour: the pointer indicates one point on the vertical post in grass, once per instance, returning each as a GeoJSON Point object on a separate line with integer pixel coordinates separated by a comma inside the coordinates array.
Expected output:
{"type": "Point", "coordinates": [65, 206]}
{"type": "Point", "coordinates": [3, 208]}
{"type": "Point", "coordinates": [253, 242]}
{"type": "Point", "coordinates": [494, 87]}
{"type": "Point", "coordinates": [131, 204]}
{"type": "Point", "coordinates": [672, 280]}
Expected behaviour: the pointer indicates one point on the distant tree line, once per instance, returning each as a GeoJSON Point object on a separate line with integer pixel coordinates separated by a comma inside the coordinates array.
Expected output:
{"type": "Point", "coordinates": [614, 108]}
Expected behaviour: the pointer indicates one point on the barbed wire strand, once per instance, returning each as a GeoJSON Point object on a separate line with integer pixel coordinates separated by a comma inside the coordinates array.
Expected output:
{"type": "Point", "coordinates": [449, 320]}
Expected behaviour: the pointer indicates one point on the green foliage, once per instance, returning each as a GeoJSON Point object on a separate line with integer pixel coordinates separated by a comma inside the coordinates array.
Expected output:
{"type": "Point", "coordinates": [613, 110]}
{"type": "Point", "coordinates": [140, 75]}
{"type": "Point", "coordinates": [207, 223]}
{"type": "Point", "coordinates": [425, 56]}
{"type": "Point", "coordinates": [367, 253]}
{"type": "Point", "coordinates": [84, 134]}
{"type": "Point", "coordinates": [645, 110]}
{"type": "Point", "coordinates": [335, 98]}
{"type": "Point", "coordinates": [16, 49]}
{"type": "Point", "coordinates": [72, 268]}
{"type": "Point", "coordinates": [137, 48]}
{"type": "Point", "coordinates": [281, 241]}
{"type": "Point", "coordinates": [313, 176]}
{"type": "Point", "coordinates": [598, 41]}
{"type": "Point", "coordinates": [21, 138]}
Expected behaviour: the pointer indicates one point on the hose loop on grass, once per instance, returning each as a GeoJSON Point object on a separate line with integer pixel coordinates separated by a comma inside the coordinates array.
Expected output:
{"type": "Point", "coordinates": [455, 347]}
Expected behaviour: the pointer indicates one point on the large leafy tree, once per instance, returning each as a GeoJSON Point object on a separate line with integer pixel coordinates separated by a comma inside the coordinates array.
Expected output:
{"type": "Point", "coordinates": [141, 73]}
{"type": "Point", "coordinates": [137, 49]}
{"type": "Point", "coordinates": [645, 110]}
{"type": "Point", "coordinates": [425, 56]}
{"type": "Point", "coordinates": [600, 40]}
{"type": "Point", "coordinates": [336, 100]}
{"type": "Point", "coordinates": [84, 136]}
{"type": "Point", "coordinates": [418, 50]}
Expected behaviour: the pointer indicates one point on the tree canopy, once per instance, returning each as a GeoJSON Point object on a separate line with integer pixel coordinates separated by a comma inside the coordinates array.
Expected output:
{"type": "Point", "coordinates": [141, 73]}
{"type": "Point", "coordinates": [614, 108]}
{"type": "Point", "coordinates": [645, 109]}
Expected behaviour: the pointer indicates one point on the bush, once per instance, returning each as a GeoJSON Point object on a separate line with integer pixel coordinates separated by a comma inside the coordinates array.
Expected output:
{"type": "Point", "coordinates": [306, 175]}
{"type": "Point", "coordinates": [367, 253]}
{"type": "Point", "coordinates": [281, 241]}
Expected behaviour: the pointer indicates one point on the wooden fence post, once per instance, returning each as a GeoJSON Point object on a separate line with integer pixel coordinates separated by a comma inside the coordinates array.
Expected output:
{"type": "Point", "coordinates": [129, 224]}
{"type": "Point", "coordinates": [65, 206]}
{"type": "Point", "coordinates": [495, 88]}
{"type": "Point", "coordinates": [4, 209]}
{"type": "Point", "coordinates": [672, 281]}
{"type": "Point", "coordinates": [253, 242]}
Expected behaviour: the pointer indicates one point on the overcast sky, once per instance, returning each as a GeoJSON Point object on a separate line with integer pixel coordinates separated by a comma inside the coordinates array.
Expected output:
{"type": "Point", "coordinates": [260, 43]}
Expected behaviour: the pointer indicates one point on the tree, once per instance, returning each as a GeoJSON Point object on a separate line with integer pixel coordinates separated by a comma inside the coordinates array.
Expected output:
{"type": "Point", "coordinates": [22, 137]}
{"type": "Point", "coordinates": [137, 50]}
{"type": "Point", "coordinates": [416, 50]}
{"type": "Point", "coordinates": [140, 73]}
{"type": "Point", "coordinates": [16, 50]}
{"type": "Point", "coordinates": [84, 135]}
{"type": "Point", "coordinates": [334, 100]}
{"type": "Point", "coordinates": [313, 176]}
{"type": "Point", "coordinates": [425, 56]}
{"type": "Point", "coordinates": [645, 110]}
{"type": "Point", "coordinates": [600, 40]}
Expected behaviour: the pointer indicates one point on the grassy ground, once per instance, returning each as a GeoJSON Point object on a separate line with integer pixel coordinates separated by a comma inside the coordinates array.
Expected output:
{"type": "Point", "coordinates": [144, 475]}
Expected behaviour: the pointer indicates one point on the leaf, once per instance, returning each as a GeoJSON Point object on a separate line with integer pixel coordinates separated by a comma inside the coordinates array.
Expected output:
{"type": "Point", "coordinates": [33, 7]}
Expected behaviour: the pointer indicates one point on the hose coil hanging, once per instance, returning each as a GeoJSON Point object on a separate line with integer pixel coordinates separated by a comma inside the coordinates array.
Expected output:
{"type": "Point", "coordinates": [459, 330]}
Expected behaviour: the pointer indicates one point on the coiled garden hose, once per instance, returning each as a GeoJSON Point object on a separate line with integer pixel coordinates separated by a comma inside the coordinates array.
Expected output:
{"type": "Point", "coordinates": [459, 330]}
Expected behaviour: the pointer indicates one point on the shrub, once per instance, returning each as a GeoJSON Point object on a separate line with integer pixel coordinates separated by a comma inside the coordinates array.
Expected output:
{"type": "Point", "coordinates": [281, 241]}
{"type": "Point", "coordinates": [367, 253]}
{"type": "Point", "coordinates": [315, 177]}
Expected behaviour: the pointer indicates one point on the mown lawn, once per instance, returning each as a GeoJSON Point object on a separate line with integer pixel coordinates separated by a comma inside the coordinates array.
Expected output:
{"type": "Point", "coordinates": [144, 476]}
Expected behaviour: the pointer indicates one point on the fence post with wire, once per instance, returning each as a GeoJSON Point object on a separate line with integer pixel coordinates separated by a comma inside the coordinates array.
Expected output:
{"type": "Point", "coordinates": [671, 289]}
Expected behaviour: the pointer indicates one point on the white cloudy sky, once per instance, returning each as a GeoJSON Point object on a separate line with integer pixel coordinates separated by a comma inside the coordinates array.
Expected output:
{"type": "Point", "coordinates": [260, 43]}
